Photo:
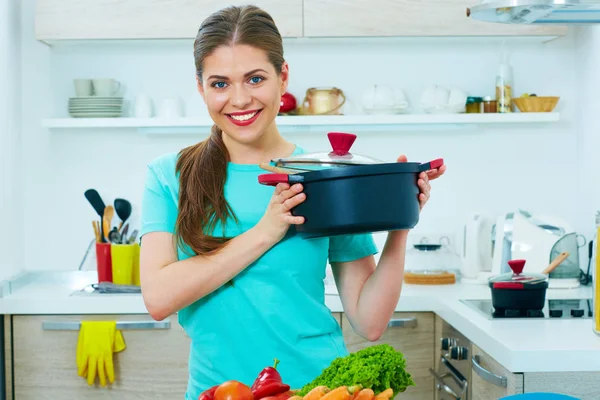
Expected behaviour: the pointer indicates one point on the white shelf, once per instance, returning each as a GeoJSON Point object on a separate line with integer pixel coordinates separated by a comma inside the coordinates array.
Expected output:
{"type": "Point", "coordinates": [306, 123]}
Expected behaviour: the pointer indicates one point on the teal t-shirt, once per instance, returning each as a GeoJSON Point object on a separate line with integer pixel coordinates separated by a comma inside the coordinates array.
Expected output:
{"type": "Point", "coordinates": [276, 306]}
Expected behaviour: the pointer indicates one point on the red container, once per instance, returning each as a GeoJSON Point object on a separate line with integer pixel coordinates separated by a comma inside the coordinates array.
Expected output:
{"type": "Point", "coordinates": [104, 262]}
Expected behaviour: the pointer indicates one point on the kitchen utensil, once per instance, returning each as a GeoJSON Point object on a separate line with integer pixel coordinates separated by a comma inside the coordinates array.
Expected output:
{"type": "Point", "coordinates": [518, 291]}
{"type": "Point", "coordinates": [432, 260]}
{"type": "Point", "coordinates": [132, 237]}
{"type": "Point", "coordinates": [95, 200]}
{"type": "Point", "coordinates": [568, 274]}
{"type": "Point", "coordinates": [536, 103]}
{"type": "Point", "coordinates": [475, 248]}
{"type": "Point", "coordinates": [320, 101]}
{"type": "Point", "coordinates": [123, 210]}
{"type": "Point", "coordinates": [114, 236]}
{"type": "Point", "coordinates": [430, 278]}
{"type": "Point", "coordinates": [279, 170]}
{"type": "Point", "coordinates": [356, 194]}
{"type": "Point", "coordinates": [109, 287]}
{"type": "Point", "coordinates": [96, 226]}
{"type": "Point", "coordinates": [109, 212]}
{"type": "Point", "coordinates": [556, 262]}
{"type": "Point", "coordinates": [125, 230]}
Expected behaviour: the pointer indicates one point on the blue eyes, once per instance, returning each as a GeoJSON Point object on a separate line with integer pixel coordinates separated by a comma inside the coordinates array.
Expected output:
{"type": "Point", "coordinates": [222, 85]}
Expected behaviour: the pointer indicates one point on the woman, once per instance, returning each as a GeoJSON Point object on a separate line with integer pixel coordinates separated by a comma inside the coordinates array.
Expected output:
{"type": "Point", "coordinates": [217, 246]}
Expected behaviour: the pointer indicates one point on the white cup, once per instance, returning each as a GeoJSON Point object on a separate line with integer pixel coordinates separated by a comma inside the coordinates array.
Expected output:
{"type": "Point", "coordinates": [142, 107]}
{"type": "Point", "coordinates": [83, 87]}
{"type": "Point", "coordinates": [106, 87]}
{"type": "Point", "coordinates": [170, 108]}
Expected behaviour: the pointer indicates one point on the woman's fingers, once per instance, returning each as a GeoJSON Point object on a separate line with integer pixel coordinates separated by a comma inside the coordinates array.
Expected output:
{"type": "Point", "coordinates": [281, 187]}
{"type": "Point", "coordinates": [288, 193]}
{"type": "Point", "coordinates": [293, 220]}
{"type": "Point", "coordinates": [294, 201]}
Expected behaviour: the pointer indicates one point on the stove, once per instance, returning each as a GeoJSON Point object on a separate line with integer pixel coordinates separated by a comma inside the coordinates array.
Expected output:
{"type": "Point", "coordinates": [553, 309]}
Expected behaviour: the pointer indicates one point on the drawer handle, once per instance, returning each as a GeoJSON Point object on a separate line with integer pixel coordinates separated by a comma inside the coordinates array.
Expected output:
{"type": "Point", "coordinates": [75, 325]}
{"type": "Point", "coordinates": [486, 375]}
{"type": "Point", "coordinates": [440, 384]}
{"type": "Point", "coordinates": [403, 323]}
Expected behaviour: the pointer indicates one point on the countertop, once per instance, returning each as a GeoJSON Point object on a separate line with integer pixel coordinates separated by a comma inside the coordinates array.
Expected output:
{"type": "Point", "coordinates": [521, 345]}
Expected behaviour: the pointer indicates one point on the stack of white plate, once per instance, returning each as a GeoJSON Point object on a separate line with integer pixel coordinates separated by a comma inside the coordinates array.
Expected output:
{"type": "Point", "coordinates": [95, 107]}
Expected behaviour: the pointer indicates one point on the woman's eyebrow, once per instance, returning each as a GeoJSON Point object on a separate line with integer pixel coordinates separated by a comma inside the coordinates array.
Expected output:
{"type": "Point", "coordinates": [224, 78]}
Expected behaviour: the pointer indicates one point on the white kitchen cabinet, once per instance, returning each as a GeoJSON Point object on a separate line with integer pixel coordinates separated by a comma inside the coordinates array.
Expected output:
{"type": "Point", "coordinates": [412, 334]}
{"type": "Point", "coordinates": [490, 380]}
{"type": "Point", "coordinates": [146, 19]}
{"type": "Point", "coordinates": [153, 366]}
{"type": "Point", "coordinates": [406, 18]}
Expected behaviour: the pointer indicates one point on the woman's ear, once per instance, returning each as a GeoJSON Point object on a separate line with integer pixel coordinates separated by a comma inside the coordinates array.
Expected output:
{"type": "Point", "coordinates": [285, 75]}
{"type": "Point", "coordinates": [200, 87]}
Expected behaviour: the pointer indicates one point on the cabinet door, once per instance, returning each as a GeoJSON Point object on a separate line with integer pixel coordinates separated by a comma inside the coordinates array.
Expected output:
{"type": "Point", "coordinates": [405, 18]}
{"type": "Point", "coordinates": [146, 19]}
{"type": "Point", "coordinates": [412, 334]}
{"type": "Point", "coordinates": [153, 365]}
{"type": "Point", "coordinates": [490, 380]}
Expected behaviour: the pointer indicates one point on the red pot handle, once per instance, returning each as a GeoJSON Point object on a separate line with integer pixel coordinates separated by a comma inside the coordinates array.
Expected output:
{"type": "Point", "coordinates": [274, 179]}
{"type": "Point", "coordinates": [435, 164]}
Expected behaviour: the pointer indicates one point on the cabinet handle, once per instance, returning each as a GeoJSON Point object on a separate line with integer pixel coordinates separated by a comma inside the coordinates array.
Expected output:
{"type": "Point", "coordinates": [486, 375]}
{"type": "Point", "coordinates": [442, 385]}
{"type": "Point", "coordinates": [75, 325]}
{"type": "Point", "coordinates": [403, 323]}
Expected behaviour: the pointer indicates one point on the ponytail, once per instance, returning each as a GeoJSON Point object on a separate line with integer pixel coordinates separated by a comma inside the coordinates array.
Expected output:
{"type": "Point", "coordinates": [203, 172]}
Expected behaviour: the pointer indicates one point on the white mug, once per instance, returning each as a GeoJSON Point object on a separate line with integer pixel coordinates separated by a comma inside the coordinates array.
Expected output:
{"type": "Point", "coordinates": [83, 87]}
{"type": "Point", "coordinates": [106, 87]}
{"type": "Point", "coordinates": [142, 108]}
{"type": "Point", "coordinates": [170, 108]}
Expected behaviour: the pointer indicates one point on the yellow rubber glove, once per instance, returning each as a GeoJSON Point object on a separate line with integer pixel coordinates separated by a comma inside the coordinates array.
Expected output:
{"type": "Point", "coordinates": [97, 342]}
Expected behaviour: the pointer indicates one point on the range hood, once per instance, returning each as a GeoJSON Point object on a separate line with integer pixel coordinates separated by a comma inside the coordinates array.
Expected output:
{"type": "Point", "coordinates": [559, 12]}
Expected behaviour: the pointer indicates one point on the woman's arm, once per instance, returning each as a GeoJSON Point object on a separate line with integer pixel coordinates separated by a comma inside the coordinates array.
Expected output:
{"type": "Point", "coordinates": [169, 285]}
{"type": "Point", "coordinates": [369, 294]}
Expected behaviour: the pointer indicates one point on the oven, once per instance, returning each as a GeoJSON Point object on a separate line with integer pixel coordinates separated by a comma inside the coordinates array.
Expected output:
{"type": "Point", "coordinates": [452, 364]}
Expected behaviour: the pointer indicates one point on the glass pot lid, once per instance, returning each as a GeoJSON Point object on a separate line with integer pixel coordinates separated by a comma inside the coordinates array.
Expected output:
{"type": "Point", "coordinates": [339, 156]}
{"type": "Point", "coordinates": [518, 276]}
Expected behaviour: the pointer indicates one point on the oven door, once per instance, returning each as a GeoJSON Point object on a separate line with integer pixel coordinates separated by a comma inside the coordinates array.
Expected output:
{"type": "Point", "coordinates": [449, 381]}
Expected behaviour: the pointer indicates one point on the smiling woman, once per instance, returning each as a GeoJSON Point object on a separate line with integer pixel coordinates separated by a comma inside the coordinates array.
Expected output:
{"type": "Point", "coordinates": [217, 246]}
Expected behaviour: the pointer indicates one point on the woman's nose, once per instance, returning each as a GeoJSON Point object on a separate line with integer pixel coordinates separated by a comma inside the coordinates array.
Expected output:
{"type": "Point", "coordinates": [241, 97]}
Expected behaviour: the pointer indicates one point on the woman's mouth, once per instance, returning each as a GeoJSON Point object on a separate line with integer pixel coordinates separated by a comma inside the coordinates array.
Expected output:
{"type": "Point", "coordinates": [244, 118]}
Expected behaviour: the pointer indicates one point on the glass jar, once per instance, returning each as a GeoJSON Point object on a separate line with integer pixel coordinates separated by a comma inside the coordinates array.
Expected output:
{"type": "Point", "coordinates": [490, 105]}
{"type": "Point", "coordinates": [474, 105]}
{"type": "Point", "coordinates": [429, 258]}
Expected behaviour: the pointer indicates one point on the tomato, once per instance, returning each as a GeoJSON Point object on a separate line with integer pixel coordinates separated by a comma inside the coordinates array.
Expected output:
{"type": "Point", "coordinates": [233, 390]}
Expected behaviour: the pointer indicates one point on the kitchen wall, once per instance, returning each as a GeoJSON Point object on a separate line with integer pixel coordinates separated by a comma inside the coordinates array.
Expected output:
{"type": "Point", "coordinates": [10, 121]}
{"type": "Point", "coordinates": [588, 193]}
{"type": "Point", "coordinates": [489, 169]}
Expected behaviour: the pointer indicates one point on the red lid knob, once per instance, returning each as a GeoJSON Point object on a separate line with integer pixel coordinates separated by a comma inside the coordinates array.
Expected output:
{"type": "Point", "coordinates": [517, 266]}
{"type": "Point", "coordinates": [341, 142]}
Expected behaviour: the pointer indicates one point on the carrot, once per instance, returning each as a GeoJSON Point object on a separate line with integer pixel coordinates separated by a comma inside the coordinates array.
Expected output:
{"type": "Point", "coordinates": [295, 398]}
{"type": "Point", "coordinates": [365, 394]}
{"type": "Point", "coordinates": [385, 395]}
{"type": "Point", "coordinates": [340, 393]}
{"type": "Point", "coordinates": [316, 393]}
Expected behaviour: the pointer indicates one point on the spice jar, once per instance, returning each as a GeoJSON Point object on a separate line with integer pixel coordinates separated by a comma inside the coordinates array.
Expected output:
{"type": "Point", "coordinates": [474, 105]}
{"type": "Point", "coordinates": [490, 105]}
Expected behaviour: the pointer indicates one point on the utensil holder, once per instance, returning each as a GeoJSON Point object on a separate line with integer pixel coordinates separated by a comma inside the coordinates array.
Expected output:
{"type": "Point", "coordinates": [104, 262]}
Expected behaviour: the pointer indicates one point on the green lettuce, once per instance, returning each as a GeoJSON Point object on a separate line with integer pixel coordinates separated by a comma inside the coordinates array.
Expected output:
{"type": "Point", "coordinates": [377, 367]}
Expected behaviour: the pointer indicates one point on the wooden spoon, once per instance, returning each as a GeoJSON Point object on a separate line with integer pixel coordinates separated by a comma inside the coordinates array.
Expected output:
{"type": "Point", "coordinates": [109, 212]}
{"type": "Point", "coordinates": [556, 262]}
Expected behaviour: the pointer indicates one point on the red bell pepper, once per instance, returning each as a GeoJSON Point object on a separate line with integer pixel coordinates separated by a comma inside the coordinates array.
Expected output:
{"type": "Point", "coordinates": [208, 394]}
{"type": "Point", "coordinates": [269, 383]}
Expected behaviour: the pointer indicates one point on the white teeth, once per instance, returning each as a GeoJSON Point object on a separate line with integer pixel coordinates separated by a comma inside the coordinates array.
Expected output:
{"type": "Point", "coordinates": [244, 117]}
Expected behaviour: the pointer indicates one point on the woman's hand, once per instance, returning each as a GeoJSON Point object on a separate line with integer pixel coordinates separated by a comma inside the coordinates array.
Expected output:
{"type": "Point", "coordinates": [278, 217]}
{"type": "Point", "coordinates": [423, 182]}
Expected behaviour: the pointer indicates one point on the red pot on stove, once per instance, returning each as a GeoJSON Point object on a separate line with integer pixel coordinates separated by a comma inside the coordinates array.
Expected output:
{"type": "Point", "coordinates": [518, 291]}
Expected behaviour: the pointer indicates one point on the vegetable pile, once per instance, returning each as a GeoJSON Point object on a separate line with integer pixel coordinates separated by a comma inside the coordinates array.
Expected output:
{"type": "Point", "coordinates": [378, 368]}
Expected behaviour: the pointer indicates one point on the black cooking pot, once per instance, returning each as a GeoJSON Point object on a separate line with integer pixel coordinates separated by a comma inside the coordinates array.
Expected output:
{"type": "Point", "coordinates": [352, 194]}
{"type": "Point", "coordinates": [517, 291]}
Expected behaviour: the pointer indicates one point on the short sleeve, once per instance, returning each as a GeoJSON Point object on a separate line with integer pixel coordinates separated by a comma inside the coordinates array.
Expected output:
{"type": "Point", "coordinates": [159, 210]}
{"type": "Point", "coordinates": [346, 248]}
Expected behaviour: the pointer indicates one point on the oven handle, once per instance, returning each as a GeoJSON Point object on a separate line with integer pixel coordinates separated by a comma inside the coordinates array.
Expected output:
{"type": "Point", "coordinates": [442, 385]}
{"type": "Point", "coordinates": [486, 375]}
{"type": "Point", "coordinates": [403, 322]}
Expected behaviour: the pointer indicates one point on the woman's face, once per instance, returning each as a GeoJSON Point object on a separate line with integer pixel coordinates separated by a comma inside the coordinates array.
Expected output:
{"type": "Point", "coordinates": [242, 91]}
